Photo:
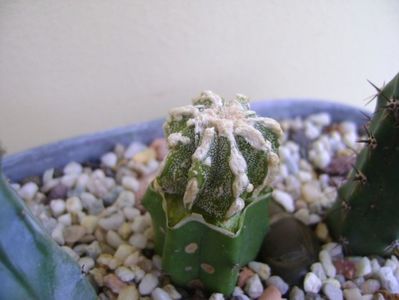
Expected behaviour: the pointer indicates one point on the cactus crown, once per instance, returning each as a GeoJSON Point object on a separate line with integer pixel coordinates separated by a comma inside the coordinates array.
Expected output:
{"type": "Point", "coordinates": [221, 156]}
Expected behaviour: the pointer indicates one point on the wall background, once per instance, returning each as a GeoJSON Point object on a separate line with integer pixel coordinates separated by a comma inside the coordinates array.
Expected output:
{"type": "Point", "coordinates": [74, 67]}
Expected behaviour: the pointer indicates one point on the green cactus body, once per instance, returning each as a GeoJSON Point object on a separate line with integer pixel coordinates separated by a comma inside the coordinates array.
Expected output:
{"type": "Point", "coordinates": [32, 265]}
{"type": "Point", "coordinates": [365, 218]}
{"type": "Point", "coordinates": [209, 201]}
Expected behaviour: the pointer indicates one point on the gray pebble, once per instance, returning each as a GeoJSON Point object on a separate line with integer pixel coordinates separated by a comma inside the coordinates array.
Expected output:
{"type": "Point", "coordinates": [148, 284]}
{"type": "Point", "coordinates": [352, 294]}
{"type": "Point", "coordinates": [388, 280]}
{"type": "Point", "coordinates": [73, 233]}
{"type": "Point", "coordinates": [279, 283]}
{"type": "Point", "coordinates": [370, 286]}
{"type": "Point", "coordinates": [296, 294]}
{"type": "Point", "coordinates": [318, 270]}
{"type": "Point", "coordinates": [112, 222]}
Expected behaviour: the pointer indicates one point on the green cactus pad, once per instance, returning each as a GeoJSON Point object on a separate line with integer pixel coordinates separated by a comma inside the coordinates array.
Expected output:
{"type": "Point", "coordinates": [209, 201]}
{"type": "Point", "coordinates": [364, 218]}
{"type": "Point", "coordinates": [32, 265]}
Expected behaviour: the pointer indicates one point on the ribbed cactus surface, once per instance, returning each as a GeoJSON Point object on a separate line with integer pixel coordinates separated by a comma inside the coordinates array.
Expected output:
{"type": "Point", "coordinates": [209, 201]}
{"type": "Point", "coordinates": [365, 217]}
{"type": "Point", "coordinates": [32, 265]}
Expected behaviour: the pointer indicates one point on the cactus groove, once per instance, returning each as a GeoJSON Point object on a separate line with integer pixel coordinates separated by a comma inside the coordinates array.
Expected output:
{"type": "Point", "coordinates": [364, 216]}
{"type": "Point", "coordinates": [209, 201]}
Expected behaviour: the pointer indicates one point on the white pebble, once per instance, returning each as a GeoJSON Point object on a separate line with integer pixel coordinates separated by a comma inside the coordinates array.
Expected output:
{"type": "Point", "coordinates": [311, 131]}
{"type": "Point", "coordinates": [138, 273]}
{"type": "Point", "coordinates": [363, 267]}
{"type": "Point", "coordinates": [138, 240]}
{"type": "Point", "coordinates": [216, 296]}
{"type": "Point", "coordinates": [125, 199]}
{"type": "Point", "coordinates": [65, 219]}
{"type": "Point", "coordinates": [129, 292]}
{"type": "Point", "coordinates": [279, 283]}
{"type": "Point", "coordinates": [133, 149]}
{"type": "Point", "coordinates": [284, 199]}
{"type": "Point", "coordinates": [325, 259]}
{"type": "Point", "coordinates": [132, 259]}
{"type": "Point", "coordinates": [253, 286]}
{"type": "Point", "coordinates": [157, 262]}
{"type": "Point", "coordinates": [108, 260]}
{"type": "Point", "coordinates": [388, 280]}
{"type": "Point", "coordinates": [69, 180]}
{"type": "Point", "coordinates": [123, 251]}
{"type": "Point", "coordinates": [160, 294]}
{"type": "Point", "coordinates": [312, 283]}
{"type": "Point", "coordinates": [109, 159]}
{"type": "Point", "coordinates": [58, 234]}
{"type": "Point", "coordinates": [113, 222]}
{"type": "Point", "coordinates": [140, 224]}
{"type": "Point", "coordinates": [89, 223]}
{"type": "Point", "coordinates": [73, 205]}
{"type": "Point", "coordinates": [352, 294]}
{"type": "Point", "coordinates": [173, 293]}
{"type": "Point", "coordinates": [148, 284]}
{"type": "Point", "coordinates": [57, 207]}
{"type": "Point", "coordinates": [318, 270]}
{"type": "Point", "coordinates": [302, 215]}
{"type": "Point", "coordinates": [332, 292]}
{"type": "Point", "coordinates": [124, 274]}
{"type": "Point", "coordinates": [28, 190]}
{"type": "Point", "coordinates": [86, 263]}
{"type": "Point", "coordinates": [263, 270]}
{"type": "Point", "coordinates": [113, 239]}
{"type": "Point", "coordinates": [73, 168]}
{"type": "Point", "coordinates": [322, 231]}
{"type": "Point", "coordinates": [131, 213]}
{"type": "Point", "coordinates": [130, 183]}
{"type": "Point", "coordinates": [320, 119]}
{"type": "Point", "coordinates": [82, 181]}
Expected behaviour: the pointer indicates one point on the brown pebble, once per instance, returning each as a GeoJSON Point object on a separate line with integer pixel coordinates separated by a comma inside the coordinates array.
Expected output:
{"type": "Point", "coordinates": [245, 274]}
{"type": "Point", "coordinates": [270, 293]}
{"type": "Point", "coordinates": [345, 267]}
{"type": "Point", "coordinates": [161, 148]}
{"type": "Point", "coordinates": [113, 283]}
{"type": "Point", "coordinates": [58, 192]}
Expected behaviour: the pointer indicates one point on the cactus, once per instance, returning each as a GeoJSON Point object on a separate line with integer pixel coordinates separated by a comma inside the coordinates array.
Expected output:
{"type": "Point", "coordinates": [364, 218]}
{"type": "Point", "coordinates": [209, 202]}
{"type": "Point", "coordinates": [32, 265]}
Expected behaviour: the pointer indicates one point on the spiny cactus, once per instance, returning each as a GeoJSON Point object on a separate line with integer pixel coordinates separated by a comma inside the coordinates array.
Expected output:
{"type": "Point", "coordinates": [365, 217]}
{"type": "Point", "coordinates": [32, 265]}
{"type": "Point", "coordinates": [209, 201]}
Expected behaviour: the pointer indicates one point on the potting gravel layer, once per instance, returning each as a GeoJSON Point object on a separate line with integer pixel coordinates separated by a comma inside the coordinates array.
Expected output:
{"type": "Point", "coordinates": [93, 212]}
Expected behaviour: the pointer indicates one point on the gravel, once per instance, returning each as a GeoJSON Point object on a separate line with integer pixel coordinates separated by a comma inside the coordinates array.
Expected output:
{"type": "Point", "coordinates": [94, 213]}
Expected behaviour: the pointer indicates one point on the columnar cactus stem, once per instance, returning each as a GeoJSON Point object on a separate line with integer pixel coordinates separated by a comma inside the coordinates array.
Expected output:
{"type": "Point", "coordinates": [209, 201]}
{"type": "Point", "coordinates": [365, 214]}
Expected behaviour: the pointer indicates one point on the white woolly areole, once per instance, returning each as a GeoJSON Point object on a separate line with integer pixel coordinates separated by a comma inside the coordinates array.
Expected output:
{"type": "Point", "coordinates": [206, 141]}
{"type": "Point", "coordinates": [191, 193]}
{"type": "Point", "coordinates": [252, 136]}
{"type": "Point", "coordinates": [209, 95]}
{"type": "Point", "coordinates": [175, 138]}
{"type": "Point", "coordinates": [235, 207]}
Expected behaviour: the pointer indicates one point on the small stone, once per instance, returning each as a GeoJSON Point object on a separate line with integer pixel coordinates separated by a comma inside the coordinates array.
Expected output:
{"type": "Point", "coordinates": [160, 294]}
{"type": "Point", "coordinates": [82, 181]}
{"type": "Point", "coordinates": [284, 199]}
{"type": "Point", "coordinates": [332, 292]}
{"type": "Point", "coordinates": [388, 280]}
{"type": "Point", "coordinates": [148, 284]}
{"type": "Point", "coordinates": [108, 260]}
{"type": "Point", "coordinates": [59, 191]}
{"type": "Point", "coordinates": [253, 286]}
{"type": "Point", "coordinates": [311, 192]}
{"type": "Point", "coordinates": [133, 149]}
{"type": "Point", "coordinates": [279, 283]}
{"type": "Point", "coordinates": [312, 283]}
{"type": "Point", "coordinates": [93, 250]}
{"type": "Point", "coordinates": [312, 132]}
{"type": "Point", "coordinates": [125, 199]}
{"type": "Point", "coordinates": [271, 293]}
{"type": "Point", "coordinates": [340, 165]}
{"type": "Point", "coordinates": [73, 205]}
{"type": "Point", "coordinates": [113, 239]}
{"type": "Point", "coordinates": [352, 294]}
{"type": "Point", "coordinates": [124, 274]}
{"type": "Point", "coordinates": [109, 160]}
{"type": "Point", "coordinates": [138, 240]}
{"type": "Point", "coordinates": [73, 168]}
{"type": "Point", "coordinates": [345, 267]}
{"type": "Point", "coordinates": [114, 283]}
{"type": "Point", "coordinates": [113, 222]}
{"type": "Point", "coordinates": [69, 180]}
{"type": "Point", "coordinates": [296, 294]}
{"type": "Point", "coordinates": [318, 270]}
{"type": "Point", "coordinates": [216, 296]}
{"type": "Point", "coordinates": [129, 292]}
{"type": "Point", "coordinates": [125, 230]}
{"type": "Point", "coordinates": [263, 270]}
{"type": "Point", "coordinates": [325, 259]}
{"type": "Point", "coordinates": [130, 183]}
{"type": "Point", "coordinates": [320, 119]}
{"type": "Point", "coordinates": [131, 213]}
{"type": "Point", "coordinates": [322, 232]}
{"type": "Point", "coordinates": [58, 234]}
{"type": "Point", "coordinates": [363, 267]}
{"type": "Point", "coordinates": [132, 259]}
{"type": "Point", "coordinates": [65, 219]}
{"type": "Point", "coordinates": [73, 233]}
{"type": "Point", "coordinates": [86, 264]}
{"type": "Point", "coordinates": [157, 262]}
{"type": "Point", "coordinates": [140, 224]}
{"type": "Point", "coordinates": [161, 148]}
{"type": "Point", "coordinates": [89, 223]}
{"type": "Point", "coordinates": [244, 275]}
{"type": "Point", "coordinates": [57, 207]}
{"type": "Point", "coordinates": [143, 157]}
{"type": "Point", "coordinates": [370, 286]}
{"type": "Point", "coordinates": [138, 273]}
{"type": "Point", "coordinates": [111, 196]}
{"type": "Point", "coordinates": [28, 190]}
{"type": "Point", "coordinates": [173, 293]}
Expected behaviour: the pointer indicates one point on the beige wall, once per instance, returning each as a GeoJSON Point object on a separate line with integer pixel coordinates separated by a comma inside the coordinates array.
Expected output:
{"type": "Point", "coordinates": [73, 67]}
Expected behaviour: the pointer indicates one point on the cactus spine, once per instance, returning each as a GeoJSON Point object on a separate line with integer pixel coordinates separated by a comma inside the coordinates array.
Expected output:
{"type": "Point", "coordinates": [209, 201]}
{"type": "Point", "coordinates": [364, 217]}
